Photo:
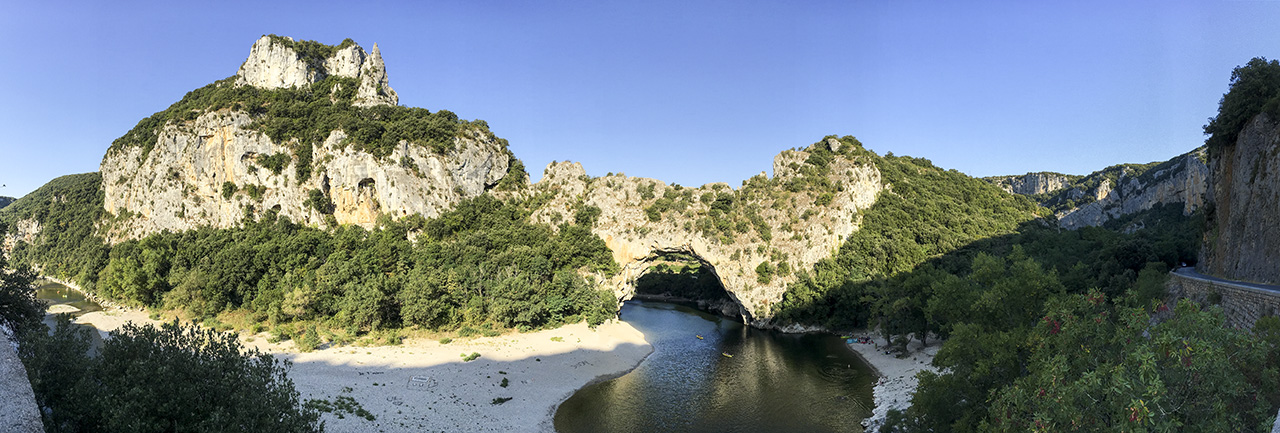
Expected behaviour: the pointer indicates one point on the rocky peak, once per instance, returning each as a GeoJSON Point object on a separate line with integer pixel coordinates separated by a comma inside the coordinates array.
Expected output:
{"type": "Point", "coordinates": [275, 62]}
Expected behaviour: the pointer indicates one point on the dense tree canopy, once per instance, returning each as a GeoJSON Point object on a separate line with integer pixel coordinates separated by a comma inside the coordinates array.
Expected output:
{"type": "Point", "coordinates": [1255, 88]}
{"type": "Point", "coordinates": [68, 210]}
{"type": "Point", "coordinates": [480, 263]}
{"type": "Point", "coordinates": [171, 378]}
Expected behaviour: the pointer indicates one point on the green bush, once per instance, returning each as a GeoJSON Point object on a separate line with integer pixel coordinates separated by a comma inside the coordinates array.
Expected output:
{"type": "Point", "coordinates": [171, 378]}
{"type": "Point", "coordinates": [310, 340]}
{"type": "Point", "coordinates": [229, 189]}
{"type": "Point", "coordinates": [764, 272]}
{"type": "Point", "coordinates": [275, 162]}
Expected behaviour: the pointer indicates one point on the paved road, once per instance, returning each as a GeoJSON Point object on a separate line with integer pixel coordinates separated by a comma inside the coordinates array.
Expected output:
{"type": "Point", "coordinates": [1191, 272]}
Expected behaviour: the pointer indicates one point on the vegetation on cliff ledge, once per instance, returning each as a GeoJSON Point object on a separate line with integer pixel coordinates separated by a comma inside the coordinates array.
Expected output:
{"type": "Point", "coordinates": [1254, 89]}
{"type": "Point", "coordinates": [301, 118]}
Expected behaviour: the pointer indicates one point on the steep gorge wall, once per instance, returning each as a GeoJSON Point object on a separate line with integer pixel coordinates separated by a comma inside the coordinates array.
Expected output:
{"type": "Point", "coordinates": [1243, 242]}
{"type": "Point", "coordinates": [1184, 182]}
{"type": "Point", "coordinates": [1095, 199]}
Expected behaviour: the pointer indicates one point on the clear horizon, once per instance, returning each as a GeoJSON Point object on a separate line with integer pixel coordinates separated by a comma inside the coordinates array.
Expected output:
{"type": "Point", "coordinates": [684, 92]}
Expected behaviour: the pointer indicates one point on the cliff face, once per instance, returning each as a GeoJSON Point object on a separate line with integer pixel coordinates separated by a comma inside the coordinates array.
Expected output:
{"type": "Point", "coordinates": [1093, 200]}
{"type": "Point", "coordinates": [1242, 242]}
{"type": "Point", "coordinates": [801, 229]}
{"type": "Point", "coordinates": [1032, 183]}
{"type": "Point", "coordinates": [1182, 180]}
{"type": "Point", "coordinates": [216, 168]}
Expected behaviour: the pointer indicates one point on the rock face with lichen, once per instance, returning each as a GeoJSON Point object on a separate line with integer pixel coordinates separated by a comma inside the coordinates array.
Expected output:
{"type": "Point", "coordinates": [789, 228]}
{"type": "Point", "coordinates": [214, 167]}
{"type": "Point", "coordinates": [1242, 242]}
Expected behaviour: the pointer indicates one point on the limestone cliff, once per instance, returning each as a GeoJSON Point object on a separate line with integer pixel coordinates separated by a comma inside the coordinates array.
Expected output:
{"type": "Point", "coordinates": [1182, 180]}
{"type": "Point", "coordinates": [1032, 183]}
{"type": "Point", "coordinates": [797, 228]}
{"type": "Point", "coordinates": [1242, 242]}
{"type": "Point", "coordinates": [1093, 200]}
{"type": "Point", "coordinates": [274, 62]}
{"type": "Point", "coordinates": [212, 165]}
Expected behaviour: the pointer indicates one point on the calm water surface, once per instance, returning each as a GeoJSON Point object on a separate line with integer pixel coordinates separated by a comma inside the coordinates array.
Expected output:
{"type": "Point", "coordinates": [774, 382]}
{"type": "Point", "coordinates": [53, 293]}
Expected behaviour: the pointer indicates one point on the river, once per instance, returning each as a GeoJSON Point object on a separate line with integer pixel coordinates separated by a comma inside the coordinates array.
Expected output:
{"type": "Point", "coordinates": [772, 382]}
{"type": "Point", "coordinates": [54, 293]}
{"type": "Point", "coordinates": [62, 298]}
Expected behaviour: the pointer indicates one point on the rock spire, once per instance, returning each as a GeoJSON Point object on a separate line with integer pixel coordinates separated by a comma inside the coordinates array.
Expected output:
{"type": "Point", "coordinates": [275, 62]}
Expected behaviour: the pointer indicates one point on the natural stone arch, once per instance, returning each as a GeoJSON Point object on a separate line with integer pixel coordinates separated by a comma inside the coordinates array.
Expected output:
{"type": "Point", "coordinates": [782, 225]}
{"type": "Point", "coordinates": [726, 304]}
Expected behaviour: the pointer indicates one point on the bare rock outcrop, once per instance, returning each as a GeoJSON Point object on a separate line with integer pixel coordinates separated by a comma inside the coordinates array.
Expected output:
{"type": "Point", "coordinates": [795, 238]}
{"type": "Point", "coordinates": [1242, 242]}
{"type": "Point", "coordinates": [1095, 199]}
{"type": "Point", "coordinates": [1032, 183]}
{"type": "Point", "coordinates": [274, 63]}
{"type": "Point", "coordinates": [209, 172]}
{"type": "Point", "coordinates": [1180, 181]}
{"type": "Point", "coordinates": [24, 230]}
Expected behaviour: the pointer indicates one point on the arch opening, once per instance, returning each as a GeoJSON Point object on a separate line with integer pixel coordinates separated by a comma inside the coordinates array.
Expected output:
{"type": "Point", "coordinates": [680, 275]}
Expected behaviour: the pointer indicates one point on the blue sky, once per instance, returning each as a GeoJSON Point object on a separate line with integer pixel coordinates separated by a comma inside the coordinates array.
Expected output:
{"type": "Point", "coordinates": [684, 91]}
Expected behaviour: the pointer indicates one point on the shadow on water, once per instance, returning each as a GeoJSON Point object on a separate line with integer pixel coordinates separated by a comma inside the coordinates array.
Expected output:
{"type": "Point", "coordinates": [772, 382]}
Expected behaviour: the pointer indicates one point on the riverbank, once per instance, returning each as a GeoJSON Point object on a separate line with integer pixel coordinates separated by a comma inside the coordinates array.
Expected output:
{"type": "Point", "coordinates": [897, 375]}
{"type": "Point", "coordinates": [423, 385]}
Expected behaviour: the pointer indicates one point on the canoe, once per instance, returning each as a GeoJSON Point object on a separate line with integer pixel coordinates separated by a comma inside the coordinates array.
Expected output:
{"type": "Point", "coordinates": [726, 355]}
{"type": "Point", "coordinates": [699, 336]}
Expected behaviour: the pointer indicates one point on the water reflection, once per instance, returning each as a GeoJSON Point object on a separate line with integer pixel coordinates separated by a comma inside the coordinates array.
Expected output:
{"type": "Point", "coordinates": [59, 297]}
{"type": "Point", "coordinates": [54, 293]}
{"type": "Point", "coordinates": [771, 382]}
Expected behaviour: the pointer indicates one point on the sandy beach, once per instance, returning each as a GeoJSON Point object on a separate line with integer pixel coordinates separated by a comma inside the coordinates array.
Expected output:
{"type": "Point", "coordinates": [897, 375]}
{"type": "Point", "coordinates": [423, 385]}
